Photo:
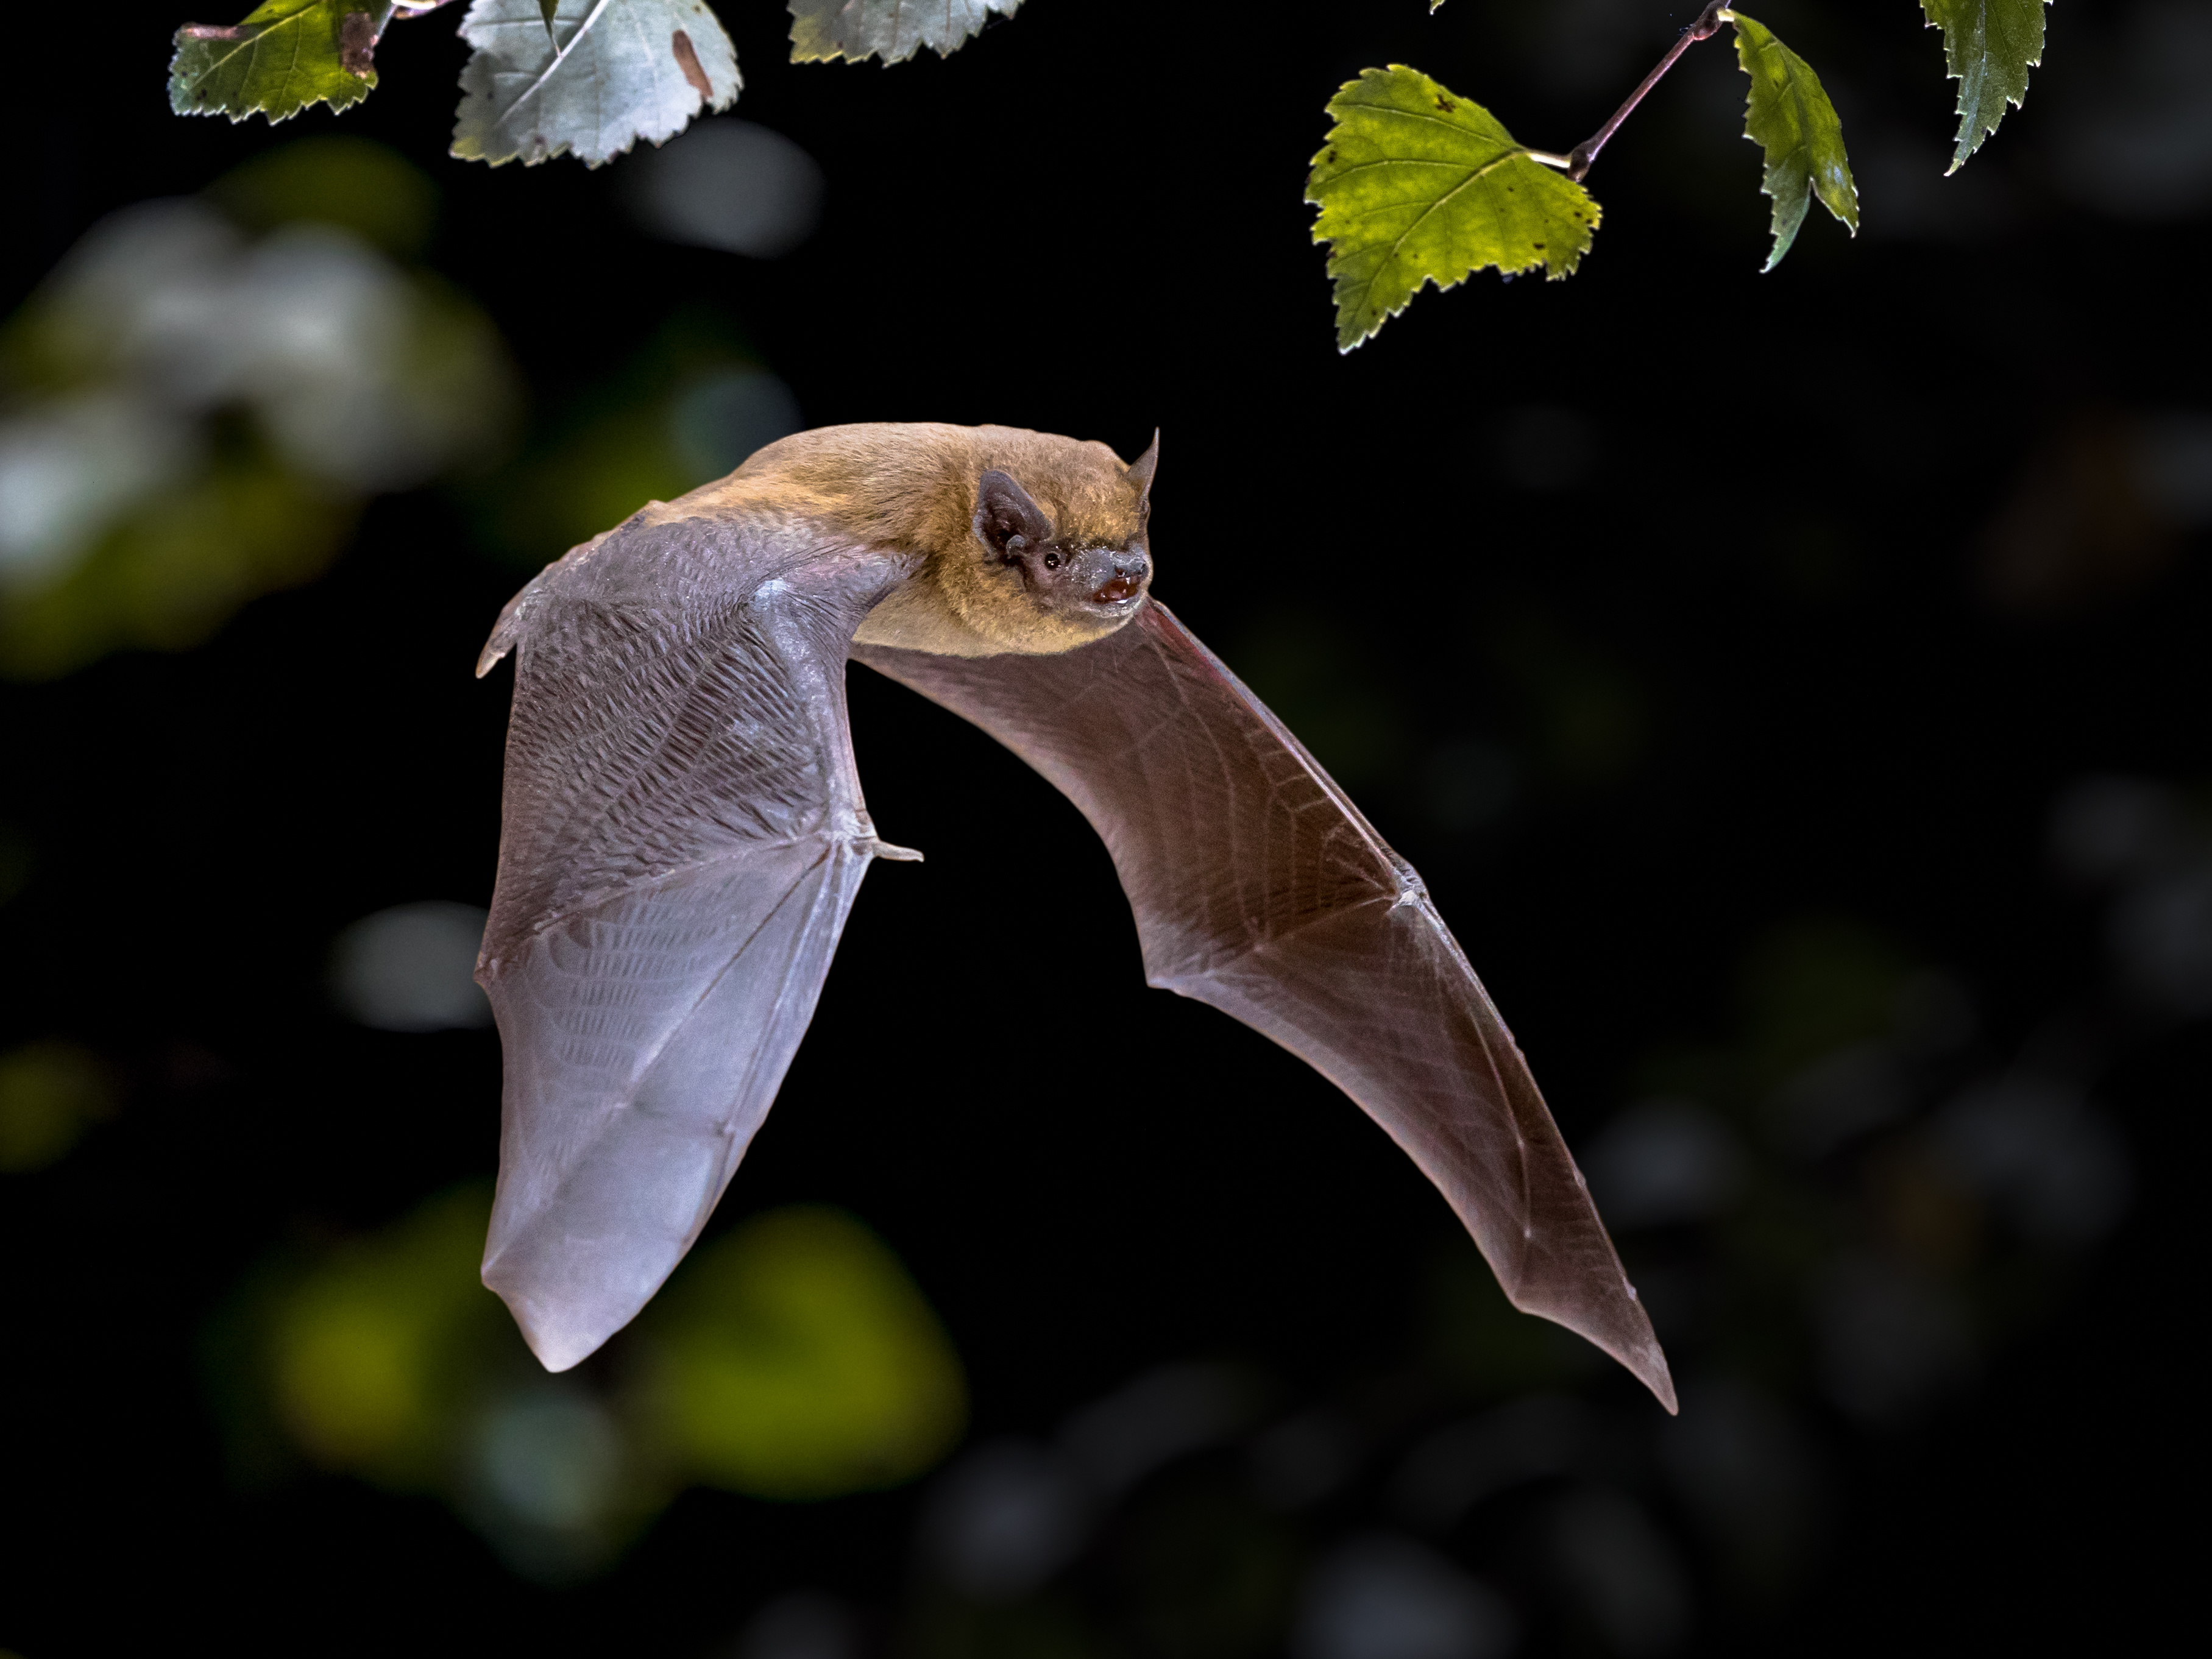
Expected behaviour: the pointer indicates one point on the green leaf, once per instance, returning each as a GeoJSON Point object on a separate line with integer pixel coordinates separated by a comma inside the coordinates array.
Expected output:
{"type": "Point", "coordinates": [1989, 47]}
{"type": "Point", "coordinates": [547, 12]}
{"type": "Point", "coordinates": [1417, 185]}
{"type": "Point", "coordinates": [609, 73]}
{"type": "Point", "coordinates": [823, 30]}
{"type": "Point", "coordinates": [1790, 115]}
{"type": "Point", "coordinates": [285, 56]}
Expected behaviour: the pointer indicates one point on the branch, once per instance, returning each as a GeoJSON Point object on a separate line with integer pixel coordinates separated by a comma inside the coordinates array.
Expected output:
{"type": "Point", "coordinates": [1576, 161]}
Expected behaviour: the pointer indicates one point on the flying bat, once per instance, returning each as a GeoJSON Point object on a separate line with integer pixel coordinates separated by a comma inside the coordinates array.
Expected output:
{"type": "Point", "coordinates": [682, 836]}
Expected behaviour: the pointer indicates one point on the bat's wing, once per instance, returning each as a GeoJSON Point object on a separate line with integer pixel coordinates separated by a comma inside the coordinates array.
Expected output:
{"type": "Point", "coordinates": [1259, 889]}
{"type": "Point", "coordinates": [682, 836]}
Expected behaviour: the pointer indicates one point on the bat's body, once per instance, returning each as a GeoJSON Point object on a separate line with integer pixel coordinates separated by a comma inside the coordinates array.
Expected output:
{"type": "Point", "coordinates": [684, 835]}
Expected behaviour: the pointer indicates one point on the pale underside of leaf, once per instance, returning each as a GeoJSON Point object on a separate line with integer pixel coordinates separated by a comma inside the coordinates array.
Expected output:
{"type": "Point", "coordinates": [1789, 115]}
{"type": "Point", "coordinates": [283, 57]}
{"type": "Point", "coordinates": [893, 30]}
{"type": "Point", "coordinates": [1416, 185]}
{"type": "Point", "coordinates": [1989, 47]}
{"type": "Point", "coordinates": [607, 74]}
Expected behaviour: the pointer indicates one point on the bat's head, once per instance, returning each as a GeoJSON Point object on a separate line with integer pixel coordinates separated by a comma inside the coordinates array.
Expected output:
{"type": "Point", "coordinates": [1057, 551]}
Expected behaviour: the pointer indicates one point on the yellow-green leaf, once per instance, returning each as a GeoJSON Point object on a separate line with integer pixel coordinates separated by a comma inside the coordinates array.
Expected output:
{"type": "Point", "coordinates": [1416, 185]}
{"type": "Point", "coordinates": [1789, 115]}
{"type": "Point", "coordinates": [1989, 47]}
{"type": "Point", "coordinates": [286, 55]}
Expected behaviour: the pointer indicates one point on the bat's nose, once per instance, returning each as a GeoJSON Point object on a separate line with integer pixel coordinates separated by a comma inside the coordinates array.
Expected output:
{"type": "Point", "coordinates": [1126, 581]}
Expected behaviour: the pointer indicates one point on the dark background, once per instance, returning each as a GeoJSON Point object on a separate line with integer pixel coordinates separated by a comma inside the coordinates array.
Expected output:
{"type": "Point", "coordinates": [1753, 659]}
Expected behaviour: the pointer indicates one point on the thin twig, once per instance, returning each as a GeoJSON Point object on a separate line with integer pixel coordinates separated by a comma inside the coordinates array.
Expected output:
{"type": "Point", "coordinates": [1577, 160]}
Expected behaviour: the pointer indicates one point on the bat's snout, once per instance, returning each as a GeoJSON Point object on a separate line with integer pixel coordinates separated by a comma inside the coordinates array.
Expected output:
{"type": "Point", "coordinates": [1112, 577]}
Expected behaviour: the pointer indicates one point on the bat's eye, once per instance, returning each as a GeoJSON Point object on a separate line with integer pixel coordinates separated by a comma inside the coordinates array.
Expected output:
{"type": "Point", "coordinates": [1052, 561]}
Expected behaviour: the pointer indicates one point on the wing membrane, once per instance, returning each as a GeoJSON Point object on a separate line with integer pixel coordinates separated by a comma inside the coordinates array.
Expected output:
{"type": "Point", "coordinates": [1258, 888]}
{"type": "Point", "coordinates": [682, 841]}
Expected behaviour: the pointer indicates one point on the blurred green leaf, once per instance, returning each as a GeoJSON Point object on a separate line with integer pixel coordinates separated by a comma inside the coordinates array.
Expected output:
{"type": "Point", "coordinates": [823, 30]}
{"type": "Point", "coordinates": [621, 70]}
{"type": "Point", "coordinates": [384, 1357]}
{"type": "Point", "coordinates": [1417, 186]}
{"type": "Point", "coordinates": [1790, 115]}
{"type": "Point", "coordinates": [372, 1355]}
{"type": "Point", "coordinates": [175, 569]}
{"type": "Point", "coordinates": [49, 1094]}
{"type": "Point", "coordinates": [1989, 47]}
{"type": "Point", "coordinates": [284, 56]}
{"type": "Point", "coordinates": [332, 179]}
{"type": "Point", "coordinates": [796, 1359]}
{"type": "Point", "coordinates": [618, 446]}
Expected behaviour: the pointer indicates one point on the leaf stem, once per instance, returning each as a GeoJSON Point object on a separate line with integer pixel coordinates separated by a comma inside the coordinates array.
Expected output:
{"type": "Point", "coordinates": [1577, 160]}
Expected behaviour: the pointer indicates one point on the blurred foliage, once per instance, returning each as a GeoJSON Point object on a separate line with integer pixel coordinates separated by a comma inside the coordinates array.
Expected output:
{"type": "Point", "coordinates": [355, 183]}
{"type": "Point", "coordinates": [194, 418]}
{"type": "Point", "coordinates": [167, 575]}
{"type": "Point", "coordinates": [686, 408]}
{"type": "Point", "coordinates": [51, 1093]}
{"type": "Point", "coordinates": [793, 1359]}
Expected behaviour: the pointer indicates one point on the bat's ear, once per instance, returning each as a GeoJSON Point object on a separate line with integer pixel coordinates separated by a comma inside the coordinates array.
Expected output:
{"type": "Point", "coordinates": [1006, 520]}
{"type": "Point", "coordinates": [1141, 474]}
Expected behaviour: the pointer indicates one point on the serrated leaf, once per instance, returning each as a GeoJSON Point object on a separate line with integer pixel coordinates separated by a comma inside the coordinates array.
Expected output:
{"type": "Point", "coordinates": [1417, 184]}
{"type": "Point", "coordinates": [609, 73]}
{"type": "Point", "coordinates": [894, 30]}
{"type": "Point", "coordinates": [1989, 47]}
{"type": "Point", "coordinates": [1789, 115]}
{"type": "Point", "coordinates": [284, 56]}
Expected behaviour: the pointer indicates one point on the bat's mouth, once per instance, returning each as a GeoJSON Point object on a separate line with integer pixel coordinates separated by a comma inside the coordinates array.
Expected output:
{"type": "Point", "coordinates": [1110, 580]}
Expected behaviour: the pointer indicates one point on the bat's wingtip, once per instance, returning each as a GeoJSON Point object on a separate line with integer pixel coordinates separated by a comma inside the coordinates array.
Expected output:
{"type": "Point", "coordinates": [557, 1349]}
{"type": "Point", "coordinates": [1652, 1372]}
{"type": "Point", "coordinates": [560, 1345]}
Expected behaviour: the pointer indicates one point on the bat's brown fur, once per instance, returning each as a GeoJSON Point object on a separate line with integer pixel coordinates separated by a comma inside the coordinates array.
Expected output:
{"type": "Point", "coordinates": [913, 487]}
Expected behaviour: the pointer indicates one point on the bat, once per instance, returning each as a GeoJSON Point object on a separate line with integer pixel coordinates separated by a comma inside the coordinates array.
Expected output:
{"type": "Point", "coordinates": [682, 834]}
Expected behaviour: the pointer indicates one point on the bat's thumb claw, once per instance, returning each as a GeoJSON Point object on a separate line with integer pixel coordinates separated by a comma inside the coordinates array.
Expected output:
{"type": "Point", "coordinates": [884, 850]}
